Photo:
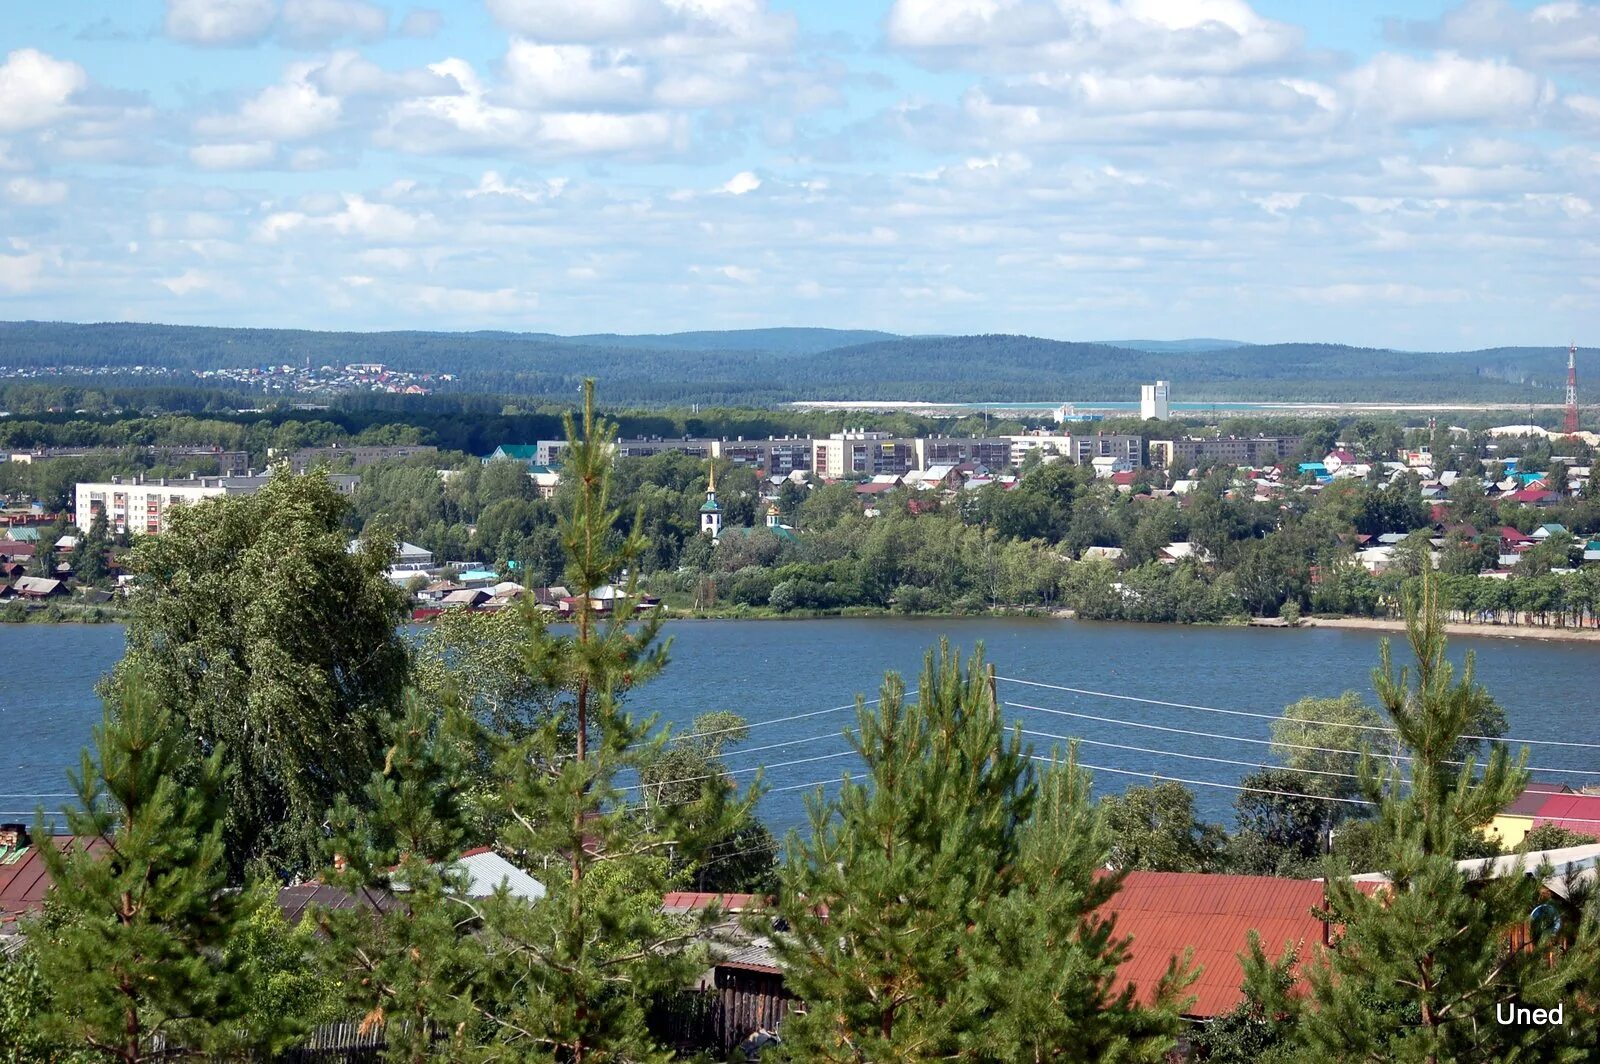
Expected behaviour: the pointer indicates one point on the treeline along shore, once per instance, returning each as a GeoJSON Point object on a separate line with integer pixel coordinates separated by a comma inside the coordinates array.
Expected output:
{"type": "Point", "coordinates": [1331, 518]}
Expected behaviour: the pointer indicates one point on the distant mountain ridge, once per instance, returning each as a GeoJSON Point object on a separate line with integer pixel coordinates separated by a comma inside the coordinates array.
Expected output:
{"type": "Point", "coordinates": [1195, 345]}
{"type": "Point", "coordinates": [764, 366]}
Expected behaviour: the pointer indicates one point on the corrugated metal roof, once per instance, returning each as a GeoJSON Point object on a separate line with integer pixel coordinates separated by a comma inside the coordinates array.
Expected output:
{"type": "Point", "coordinates": [25, 881]}
{"type": "Point", "coordinates": [487, 871]}
{"type": "Point", "coordinates": [756, 956]}
{"type": "Point", "coordinates": [1165, 913]}
{"type": "Point", "coordinates": [688, 901]}
{"type": "Point", "coordinates": [1533, 796]}
{"type": "Point", "coordinates": [1576, 812]}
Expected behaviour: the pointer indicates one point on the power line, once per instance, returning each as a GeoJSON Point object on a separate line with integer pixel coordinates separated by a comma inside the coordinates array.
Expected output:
{"type": "Point", "coordinates": [736, 771]}
{"type": "Point", "coordinates": [1260, 742]}
{"type": "Point", "coordinates": [1279, 716]}
{"type": "Point", "coordinates": [1192, 757]}
{"type": "Point", "coordinates": [780, 720]}
{"type": "Point", "coordinates": [1208, 783]}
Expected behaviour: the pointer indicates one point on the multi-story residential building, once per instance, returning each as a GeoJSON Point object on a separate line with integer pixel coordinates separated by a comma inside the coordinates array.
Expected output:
{"type": "Point", "coordinates": [137, 504]}
{"type": "Point", "coordinates": [1190, 451]}
{"type": "Point", "coordinates": [229, 463]}
{"type": "Point", "coordinates": [646, 446]}
{"type": "Point", "coordinates": [992, 452]}
{"type": "Point", "coordinates": [861, 453]}
{"type": "Point", "coordinates": [352, 455]}
{"type": "Point", "coordinates": [1081, 449]}
{"type": "Point", "coordinates": [548, 452]}
{"type": "Point", "coordinates": [776, 457]}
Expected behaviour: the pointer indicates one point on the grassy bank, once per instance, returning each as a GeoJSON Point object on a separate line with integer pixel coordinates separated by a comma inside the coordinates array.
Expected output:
{"type": "Point", "coordinates": [19, 612]}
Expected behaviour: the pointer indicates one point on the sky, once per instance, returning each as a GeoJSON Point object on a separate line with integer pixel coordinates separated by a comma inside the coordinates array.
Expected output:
{"type": "Point", "coordinates": [1402, 174]}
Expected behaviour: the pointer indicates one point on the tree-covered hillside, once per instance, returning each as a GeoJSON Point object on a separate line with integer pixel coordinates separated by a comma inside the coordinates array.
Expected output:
{"type": "Point", "coordinates": [780, 365]}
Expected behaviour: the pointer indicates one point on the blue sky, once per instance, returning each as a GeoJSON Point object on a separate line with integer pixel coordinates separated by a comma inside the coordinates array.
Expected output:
{"type": "Point", "coordinates": [1418, 175]}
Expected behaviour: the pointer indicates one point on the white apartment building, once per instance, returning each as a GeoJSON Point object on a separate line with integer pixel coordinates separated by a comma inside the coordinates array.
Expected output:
{"type": "Point", "coordinates": [1155, 401]}
{"type": "Point", "coordinates": [140, 505]}
{"type": "Point", "coordinates": [137, 505]}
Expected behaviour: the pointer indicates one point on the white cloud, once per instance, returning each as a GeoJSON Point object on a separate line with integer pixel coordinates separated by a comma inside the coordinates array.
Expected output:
{"type": "Point", "coordinates": [20, 273]}
{"type": "Point", "coordinates": [292, 110]}
{"type": "Point", "coordinates": [683, 27]}
{"type": "Point", "coordinates": [421, 22]}
{"type": "Point", "coordinates": [188, 282]}
{"type": "Point", "coordinates": [1010, 36]}
{"type": "Point", "coordinates": [459, 301]}
{"type": "Point", "coordinates": [220, 22]}
{"type": "Point", "coordinates": [568, 75]}
{"type": "Point", "coordinates": [35, 89]}
{"type": "Point", "coordinates": [742, 182]}
{"type": "Point", "coordinates": [239, 156]}
{"type": "Point", "coordinates": [471, 120]}
{"type": "Point", "coordinates": [33, 192]}
{"type": "Point", "coordinates": [361, 218]}
{"type": "Point", "coordinates": [1445, 89]}
{"type": "Point", "coordinates": [315, 23]}
{"type": "Point", "coordinates": [1564, 33]}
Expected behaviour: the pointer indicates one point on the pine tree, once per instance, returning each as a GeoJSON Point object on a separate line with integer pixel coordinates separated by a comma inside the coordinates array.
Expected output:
{"type": "Point", "coordinates": [139, 917]}
{"type": "Point", "coordinates": [1421, 963]}
{"type": "Point", "coordinates": [883, 899]}
{"type": "Point", "coordinates": [1057, 946]}
{"type": "Point", "coordinates": [409, 969]}
{"type": "Point", "coordinates": [945, 908]}
{"type": "Point", "coordinates": [573, 975]}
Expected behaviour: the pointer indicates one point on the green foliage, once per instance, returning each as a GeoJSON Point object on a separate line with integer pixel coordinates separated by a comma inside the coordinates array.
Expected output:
{"type": "Point", "coordinates": [1323, 740]}
{"type": "Point", "coordinates": [25, 999]}
{"type": "Point", "coordinates": [760, 367]}
{"type": "Point", "coordinates": [574, 975]}
{"type": "Point", "coordinates": [409, 969]}
{"type": "Point", "coordinates": [745, 859]}
{"type": "Point", "coordinates": [272, 642]}
{"type": "Point", "coordinates": [1155, 828]}
{"type": "Point", "coordinates": [949, 880]}
{"type": "Point", "coordinates": [139, 929]}
{"type": "Point", "coordinates": [1421, 963]}
{"type": "Point", "coordinates": [1258, 1030]}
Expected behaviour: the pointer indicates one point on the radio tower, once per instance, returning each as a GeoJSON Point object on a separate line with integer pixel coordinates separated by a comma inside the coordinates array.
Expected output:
{"type": "Point", "coordinates": [1572, 390]}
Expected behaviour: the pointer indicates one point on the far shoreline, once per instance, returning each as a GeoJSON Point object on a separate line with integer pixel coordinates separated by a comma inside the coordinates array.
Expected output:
{"type": "Point", "coordinates": [1462, 628]}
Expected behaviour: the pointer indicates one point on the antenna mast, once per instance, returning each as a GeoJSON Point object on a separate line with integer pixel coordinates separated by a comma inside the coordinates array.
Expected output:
{"type": "Point", "coordinates": [1572, 389]}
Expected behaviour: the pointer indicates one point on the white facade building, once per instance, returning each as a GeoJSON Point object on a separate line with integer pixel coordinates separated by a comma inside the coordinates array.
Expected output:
{"type": "Point", "coordinates": [1154, 401]}
{"type": "Point", "coordinates": [140, 505]}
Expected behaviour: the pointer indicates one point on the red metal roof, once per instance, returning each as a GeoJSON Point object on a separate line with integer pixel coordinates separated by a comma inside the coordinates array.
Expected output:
{"type": "Point", "coordinates": [1575, 812]}
{"type": "Point", "coordinates": [25, 881]}
{"type": "Point", "coordinates": [1533, 797]}
{"type": "Point", "coordinates": [1164, 913]}
{"type": "Point", "coordinates": [688, 901]}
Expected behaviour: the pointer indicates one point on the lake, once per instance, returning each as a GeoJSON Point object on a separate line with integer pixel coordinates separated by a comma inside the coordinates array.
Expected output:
{"type": "Point", "coordinates": [788, 677]}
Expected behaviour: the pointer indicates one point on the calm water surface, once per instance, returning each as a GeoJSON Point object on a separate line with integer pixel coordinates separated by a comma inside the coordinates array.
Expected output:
{"type": "Point", "coordinates": [766, 670]}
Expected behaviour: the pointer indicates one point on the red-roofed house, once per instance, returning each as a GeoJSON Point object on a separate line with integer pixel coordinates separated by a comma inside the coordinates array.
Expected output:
{"type": "Point", "coordinates": [1513, 823]}
{"type": "Point", "coordinates": [1166, 913]}
{"type": "Point", "coordinates": [24, 880]}
{"type": "Point", "coordinates": [1575, 812]}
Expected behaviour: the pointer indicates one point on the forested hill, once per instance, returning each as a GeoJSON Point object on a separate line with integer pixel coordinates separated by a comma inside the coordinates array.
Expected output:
{"type": "Point", "coordinates": [779, 365]}
{"type": "Point", "coordinates": [797, 341]}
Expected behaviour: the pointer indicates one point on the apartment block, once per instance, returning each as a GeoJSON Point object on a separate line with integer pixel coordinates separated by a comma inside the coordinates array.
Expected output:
{"type": "Point", "coordinates": [1189, 452]}
{"type": "Point", "coordinates": [140, 505]}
